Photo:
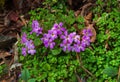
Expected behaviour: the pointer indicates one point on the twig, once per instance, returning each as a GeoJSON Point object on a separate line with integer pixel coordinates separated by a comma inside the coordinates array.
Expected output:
{"type": "Point", "coordinates": [44, 55]}
{"type": "Point", "coordinates": [23, 20]}
{"type": "Point", "coordinates": [118, 78]}
{"type": "Point", "coordinates": [87, 71]}
{"type": "Point", "coordinates": [1, 63]}
{"type": "Point", "coordinates": [79, 79]}
{"type": "Point", "coordinates": [84, 8]}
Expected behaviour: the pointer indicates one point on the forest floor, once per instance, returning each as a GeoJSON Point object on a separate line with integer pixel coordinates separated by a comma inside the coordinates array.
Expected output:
{"type": "Point", "coordinates": [15, 15]}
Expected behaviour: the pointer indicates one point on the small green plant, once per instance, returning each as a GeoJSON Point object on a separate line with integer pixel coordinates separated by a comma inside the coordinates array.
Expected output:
{"type": "Point", "coordinates": [25, 76]}
{"type": "Point", "coordinates": [105, 51]}
{"type": "Point", "coordinates": [2, 69]}
{"type": "Point", "coordinates": [99, 63]}
{"type": "Point", "coordinates": [51, 65]}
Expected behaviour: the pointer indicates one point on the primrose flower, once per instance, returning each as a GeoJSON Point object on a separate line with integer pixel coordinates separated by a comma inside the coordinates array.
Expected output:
{"type": "Point", "coordinates": [28, 46]}
{"type": "Point", "coordinates": [35, 24]}
{"type": "Point", "coordinates": [67, 38]}
{"type": "Point", "coordinates": [85, 41]}
{"type": "Point", "coordinates": [87, 32]}
{"type": "Point", "coordinates": [36, 28]}
{"type": "Point", "coordinates": [65, 46]}
{"type": "Point", "coordinates": [45, 38]}
{"type": "Point", "coordinates": [24, 38]}
{"type": "Point", "coordinates": [48, 39]}
{"type": "Point", "coordinates": [58, 28]}
{"type": "Point", "coordinates": [78, 47]}
{"type": "Point", "coordinates": [31, 51]}
{"type": "Point", "coordinates": [76, 38]}
{"type": "Point", "coordinates": [24, 51]}
{"type": "Point", "coordinates": [52, 34]}
{"type": "Point", "coordinates": [50, 44]}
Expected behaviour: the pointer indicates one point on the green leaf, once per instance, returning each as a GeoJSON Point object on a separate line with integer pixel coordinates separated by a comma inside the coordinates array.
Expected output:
{"type": "Point", "coordinates": [110, 71]}
{"type": "Point", "coordinates": [46, 67]}
{"type": "Point", "coordinates": [31, 80]}
{"type": "Point", "coordinates": [43, 76]}
{"type": "Point", "coordinates": [22, 57]}
{"type": "Point", "coordinates": [51, 79]}
{"type": "Point", "coordinates": [25, 75]}
{"type": "Point", "coordinates": [37, 41]}
{"type": "Point", "coordinates": [56, 51]}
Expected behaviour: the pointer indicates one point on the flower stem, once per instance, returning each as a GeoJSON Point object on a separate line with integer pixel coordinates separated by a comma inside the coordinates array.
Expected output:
{"type": "Point", "coordinates": [80, 62]}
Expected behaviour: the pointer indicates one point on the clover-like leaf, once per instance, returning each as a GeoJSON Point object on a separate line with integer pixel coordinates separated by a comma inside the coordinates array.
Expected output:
{"type": "Point", "coordinates": [56, 51]}
{"type": "Point", "coordinates": [110, 71]}
{"type": "Point", "coordinates": [25, 75]}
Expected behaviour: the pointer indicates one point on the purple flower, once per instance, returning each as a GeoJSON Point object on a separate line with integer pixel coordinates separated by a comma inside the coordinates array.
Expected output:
{"type": "Point", "coordinates": [72, 34]}
{"type": "Point", "coordinates": [87, 32]}
{"type": "Point", "coordinates": [24, 38]}
{"type": "Point", "coordinates": [38, 31]}
{"type": "Point", "coordinates": [67, 38]}
{"type": "Point", "coordinates": [86, 41]}
{"type": "Point", "coordinates": [58, 28]}
{"type": "Point", "coordinates": [85, 38]}
{"type": "Point", "coordinates": [35, 24]}
{"type": "Point", "coordinates": [31, 51]}
{"type": "Point", "coordinates": [65, 46]}
{"type": "Point", "coordinates": [78, 47]}
{"type": "Point", "coordinates": [76, 38]}
{"type": "Point", "coordinates": [29, 44]}
{"type": "Point", "coordinates": [35, 28]}
{"type": "Point", "coordinates": [45, 38]}
{"type": "Point", "coordinates": [50, 44]}
{"type": "Point", "coordinates": [52, 34]}
{"type": "Point", "coordinates": [60, 24]}
{"type": "Point", "coordinates": [48, 39]}
{"type": "Point", "coordinates": [24, 51]}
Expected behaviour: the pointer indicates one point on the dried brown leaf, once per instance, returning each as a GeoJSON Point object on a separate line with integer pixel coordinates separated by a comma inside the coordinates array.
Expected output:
{"type": "Point", "coordinates": [88, 19]}
{"type": "Point", "coordinates": [13, 16]}
{"type": "Point", "coordinates": [4, 81]}
{"type": "Point", "coordinates": [4, 54]}
{"type": "Point", "coordinates": [84, 8]}
{"type": "Point", "coordinates": [23, 20]}
{"type": "Point", "coordinates": [69, 2]}
{"type": "Point", "coordinates": [6, 21]}
{"type": "Point", "coordinates": [77, 13]}
{"type": "Point", "coordinates": [89, 16]}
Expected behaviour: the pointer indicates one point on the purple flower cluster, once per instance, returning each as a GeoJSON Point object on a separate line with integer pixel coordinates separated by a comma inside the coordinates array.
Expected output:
{"type": "Point", "coordinates": [85, 41]}
{"type": "Point", "coordinates": [73, 42]}
{"type": "Point", "coordinates": [70, 41]}
{"type": "Point", "coordinates": [36, 28]}
{"type": "Point", "coordinates": [29, 46]}
{"type": "Point", "coordinates": [49, 38]}
{"type": "Point", "coordinates": [87, 33]}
